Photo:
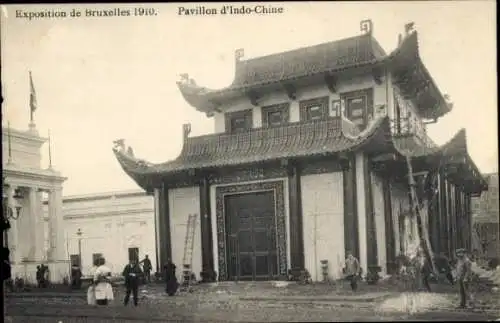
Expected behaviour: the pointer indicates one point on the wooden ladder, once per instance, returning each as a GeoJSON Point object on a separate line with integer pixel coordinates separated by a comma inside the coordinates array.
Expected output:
{"type": "Point", "coordinates": [187, 261]}
{"type": "Point", "coordinates": [415, 210]}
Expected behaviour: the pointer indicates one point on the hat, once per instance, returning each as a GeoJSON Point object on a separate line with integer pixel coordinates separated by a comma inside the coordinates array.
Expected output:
{"type": "Point", "coordinates": [460, 251]}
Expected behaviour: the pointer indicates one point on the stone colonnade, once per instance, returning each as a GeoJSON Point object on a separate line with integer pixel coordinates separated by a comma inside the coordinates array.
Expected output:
{"type": "Point", "coordinates": [26, 238]}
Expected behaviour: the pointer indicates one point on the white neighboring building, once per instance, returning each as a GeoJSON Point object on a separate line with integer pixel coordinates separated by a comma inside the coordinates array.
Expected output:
{"type": "Point", "coordinates": [31, 240]}
{"type": "Point", "coordinates": [114, 224]}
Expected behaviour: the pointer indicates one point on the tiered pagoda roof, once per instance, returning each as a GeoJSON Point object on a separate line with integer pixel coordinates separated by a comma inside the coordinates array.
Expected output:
{"type": "Point", "coordinates": [360, 54]}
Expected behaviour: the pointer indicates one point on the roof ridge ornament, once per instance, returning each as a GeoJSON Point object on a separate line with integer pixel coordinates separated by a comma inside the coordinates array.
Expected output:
{"type": "Point", "coordinates": [409, 28]}
{"type": "Point", "coordinates": [185, 79]}
{"type": "Point", "coordinates": [448, 101]}
{"type": "Point", "coordinates": [366, 26]}
{"type": "Point", "coordinates": [239, 54]}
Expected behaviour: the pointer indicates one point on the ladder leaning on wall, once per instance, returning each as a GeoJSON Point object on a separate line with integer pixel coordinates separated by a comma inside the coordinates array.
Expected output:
{"type": "Point", "coordinates": [187, 260]}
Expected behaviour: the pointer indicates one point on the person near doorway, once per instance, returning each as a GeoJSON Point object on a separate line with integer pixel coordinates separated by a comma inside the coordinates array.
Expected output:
{"type": "Point", "coordinates": [146, 267]}
{"type": "Point", "coordinates": [39, 276]}
{"type": "Point", "coordinates": [352, 270]}
{"type": "Point", "coordinates": [464, 275]}
{"type": "Point", "coordinates": [170, 278]}
{"type": "Point", "coordinates": [102, 284]}
{"type": "Point", "coordinates": [76, 276]}
{"type": "Point", "coordinates": [132, 274]}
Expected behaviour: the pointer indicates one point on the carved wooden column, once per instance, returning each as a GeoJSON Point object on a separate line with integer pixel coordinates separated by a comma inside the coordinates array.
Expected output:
{"type": "Point", "coordinates": [389, 225]}
{"type": "Point", "coordinates": [434, 222]}
{"type": "Point", "coordinates": [156, 199]}
{"type": "Point", "coordinates": [164, 226]}
{"type": "Point", "coordinates": [296, 227]}
{"type": "Point", "coordinates": [351, 226]}
{"type": "Point", "coordinates": [449, 216]}
{"type": "Point", "coordinates": [207, 250]}
{"type": "Point", "coordinates": [468, 219]}
{"type": "Point", "coordinates": [371, 231]}
{"type": "Point", "coordinates": [443, 211]}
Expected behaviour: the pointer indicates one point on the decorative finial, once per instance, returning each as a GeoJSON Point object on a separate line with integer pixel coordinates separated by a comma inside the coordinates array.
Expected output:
{"type": "Point", "coordinates": [409, 27]}
{"type": "Point", "coordinates": [130, 151]}
{"type": "Point", "coordinates": [119, 144]}
{"type": "Point", "coordinates": [239, 54]}
{"type": "Point", "coordinates": [186, 129]}
{"type": "Point", "coordinates": [184, 78]}
{"type": "Point", "coordinates": [448, 101]}
{"type": "Point", "coordinates": [366, 26]}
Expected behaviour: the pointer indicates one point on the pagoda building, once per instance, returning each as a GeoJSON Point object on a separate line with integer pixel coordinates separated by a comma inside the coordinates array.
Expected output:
{"type": "Point", "coordinates": [309, 162]}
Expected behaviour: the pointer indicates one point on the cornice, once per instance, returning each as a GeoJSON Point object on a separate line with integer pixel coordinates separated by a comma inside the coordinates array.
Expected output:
{"type": "Point", "coordinates": [45, 175]}
{"type": "Point", "coordinates": [111, 213]}
{"type": "Point", "coordinates": [25, 135]}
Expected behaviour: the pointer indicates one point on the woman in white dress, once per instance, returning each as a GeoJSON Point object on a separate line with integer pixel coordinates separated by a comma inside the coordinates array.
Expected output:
{"type": "Point", "coordinates": [102, 285]}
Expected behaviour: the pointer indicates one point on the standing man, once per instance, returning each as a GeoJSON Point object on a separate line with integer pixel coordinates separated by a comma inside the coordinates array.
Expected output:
{"type": "Point", "coordinates": [170, 278]}
{"type": "Point", "coordinates": [147, 267]}
{"type": "Point", "coordinates": [352, 270]}
{"type": "Point", "coordinates": [464, 274]}
{"type": "Point", "coordinates": [132, 273]}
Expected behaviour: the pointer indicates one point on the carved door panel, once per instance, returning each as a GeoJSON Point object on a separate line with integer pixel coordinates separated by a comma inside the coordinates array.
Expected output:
{"type": "Point", "coordinates": [251, 236]}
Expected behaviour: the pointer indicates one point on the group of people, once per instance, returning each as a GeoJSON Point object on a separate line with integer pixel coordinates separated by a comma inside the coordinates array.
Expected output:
{"type": "Point", "coordinates": [101, 290]}
{"type": "Point", "coordinates": [463, 268]}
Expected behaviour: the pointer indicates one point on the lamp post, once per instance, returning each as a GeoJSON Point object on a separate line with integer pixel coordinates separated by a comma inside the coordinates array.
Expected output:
{"type": "Point", "coordinates": [8, 211]}
{"type": "Point", "coordinates": [79, 234]}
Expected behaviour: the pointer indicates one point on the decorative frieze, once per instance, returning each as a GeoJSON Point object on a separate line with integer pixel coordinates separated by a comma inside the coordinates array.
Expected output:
{"type": "Point", "coordinates": [226, 176]}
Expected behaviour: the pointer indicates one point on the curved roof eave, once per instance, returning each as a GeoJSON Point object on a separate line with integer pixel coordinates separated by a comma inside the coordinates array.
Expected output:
{"type": "Point", "coordinates": [454, 151]}
{"type": "Point", "coordinates": [408, 50]}
{"type": "Point", "coordinates": [140, 170]}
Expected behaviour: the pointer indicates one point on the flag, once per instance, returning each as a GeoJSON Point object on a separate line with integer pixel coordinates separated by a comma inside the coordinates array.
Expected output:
{"type": "Point", "coordinates": [33, 104]}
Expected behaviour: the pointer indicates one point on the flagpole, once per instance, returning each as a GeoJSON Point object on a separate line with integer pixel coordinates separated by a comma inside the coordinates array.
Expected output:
{"type": "Point", "coordinates": [9, 142]}
{"type": "Point", "coordinates": [31, 97]}
{"type": "Point", "coordinates": [50, 153]}
{"type": "Point", "coordinates": [32, 103]}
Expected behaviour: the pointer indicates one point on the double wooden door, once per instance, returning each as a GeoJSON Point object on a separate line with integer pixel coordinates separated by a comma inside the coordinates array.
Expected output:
{"type": "Point", "coordinates": [251, 236]}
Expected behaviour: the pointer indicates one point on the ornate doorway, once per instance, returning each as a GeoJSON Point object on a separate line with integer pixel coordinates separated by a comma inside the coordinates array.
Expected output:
{"type": "Point", "coordinates": [251, 236]}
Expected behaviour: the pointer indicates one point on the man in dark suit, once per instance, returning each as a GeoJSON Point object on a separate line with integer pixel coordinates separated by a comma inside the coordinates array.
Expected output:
{"type": "Point", "coordinates": [132, 274]}
{"type": "Point", "coordinates": [146, 266]}
{"type": "Point", "coordinates": [170, 278]}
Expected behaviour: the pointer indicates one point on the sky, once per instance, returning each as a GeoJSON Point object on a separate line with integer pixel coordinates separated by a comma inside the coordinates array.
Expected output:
{"type": "Point", "coordinates": [98, 79]}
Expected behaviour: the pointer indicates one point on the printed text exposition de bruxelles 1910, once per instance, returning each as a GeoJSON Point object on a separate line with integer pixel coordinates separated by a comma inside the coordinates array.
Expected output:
{"type": "Point", "coordinates": [229, 10]}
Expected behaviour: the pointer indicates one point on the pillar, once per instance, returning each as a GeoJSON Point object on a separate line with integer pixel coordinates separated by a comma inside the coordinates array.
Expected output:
{"type": "Point", "coordinates": [361, 198]}
{"type": "Point", "coordinates": [12, 233]}
{"type": "Point", "coordinates": [37, 225]}
{"type": "Point", "coordinates": [389, 225]}
{"type": "Point", "coordinates": [296, 225]}
{"type": "Point", "coordinates": [207, 250]}
{"type": "Point", "coordinates": [371, 229]}
{"type": "Point", "coordinates": [25, 227]}
{"type": "Point", "coordinates": [157, 228]}
{"type": "Point", "coordinates": [56, 225]}
{"type": "Point", "coordinates": [165, 246]}
{"type": "Point", "coordinates": [443, 211]}
{"type": "Point", "coordinates": [351, 227]}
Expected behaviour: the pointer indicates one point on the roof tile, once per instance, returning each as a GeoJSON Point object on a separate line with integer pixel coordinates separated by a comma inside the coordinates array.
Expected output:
{"type": "Point", "coordinates": [256, 145]}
